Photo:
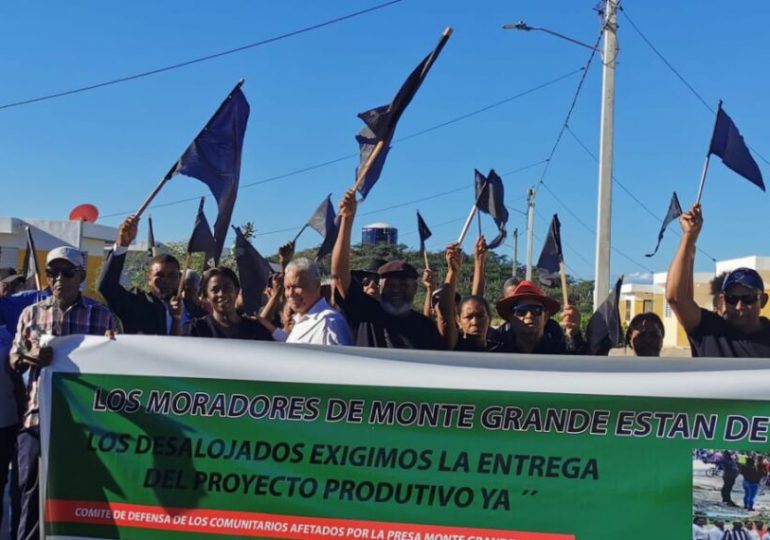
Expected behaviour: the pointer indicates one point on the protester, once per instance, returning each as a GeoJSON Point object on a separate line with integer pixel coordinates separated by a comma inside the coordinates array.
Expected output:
{"type": "Point", "coordinates": [220, 286]}
{"type": "Point", "coordinates": [368, 278]}
{"type": "Point", "coordinates": [753, 473]}
{"type": "Point", "coordinates": [717, 532]}
{"type": "Point", "coordinates": [141, 312]}
{"type": "Point", "coordinates": [391, 321]}
{"type": "Point", "coordinates": [740, 330]}
{"type": "Point", "coordinates": [10, 282]}
{"type": "Point", "coordinates": [63, 313]}
{"type": "Point", "coordinates": [737, 532]}
{"type": "Point", "coordinates": [430, 282]}
{"type": "Point", "coordinates": [466, 326]}
{"type": "Point", "coordinates": [699, 530]}
{"type": "Point", "coordinates": [315, 321]}
{"type": "Point", "coordinates": [645, 334]}
{"type": "Point", "coordinates": [191, 294]}
{"type": "Point", "coordinates": [527, 310]}
{"type": "Point", "coordinates": [479, 267]}
{"type": "Point", "coordinates": [729, 474]}
{"type": "Point", "coordinates": [9, 416]}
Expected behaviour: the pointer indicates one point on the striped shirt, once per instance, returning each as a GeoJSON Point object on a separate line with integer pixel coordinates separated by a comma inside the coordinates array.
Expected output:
{"type": "Point", "coordinates": [46, 318]}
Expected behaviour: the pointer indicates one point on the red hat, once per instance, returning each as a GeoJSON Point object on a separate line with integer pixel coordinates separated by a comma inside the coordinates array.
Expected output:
{"type": "Point", "coordinates": [526, 290]}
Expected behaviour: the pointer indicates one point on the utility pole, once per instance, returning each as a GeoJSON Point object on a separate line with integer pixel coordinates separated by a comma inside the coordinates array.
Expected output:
{"type": "Point", "coordinates": [515, 252]}
{"type": "Point", "coordinates": [530, 230]}
{"type": "Point", "coordinates": [604, 206]}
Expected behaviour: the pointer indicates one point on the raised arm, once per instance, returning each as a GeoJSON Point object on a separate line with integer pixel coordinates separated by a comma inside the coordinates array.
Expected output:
{"type": "Point", "coordinates": [446, 319]}
{"type": "Point", "coordinates": [479, 267]}
{"type": "Point", "coordinates": [109, 281]}
{"type": "Point", "coordinates": [679, 284]}
{"type": "Point", "coordinates": [275, 297]}
{"type": "Point", "coordinates": [341, 252]}
{"type": "Point", "coordinates": [429, 281]}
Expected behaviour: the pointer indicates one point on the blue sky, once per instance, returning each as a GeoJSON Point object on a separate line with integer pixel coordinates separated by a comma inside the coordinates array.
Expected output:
{"type": "Point", "coordinates": [110, 146]}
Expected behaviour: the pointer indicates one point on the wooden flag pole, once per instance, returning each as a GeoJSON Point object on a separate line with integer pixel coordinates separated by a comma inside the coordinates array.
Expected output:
{"type": "Point", "coordinates": [38, 277]}
{"type": "Point", "coordinates": [564, 291]}
{"type": "Point", "coordinates": [181, 277]}
{"type": "Point", "coordinates": [425, 256]}
{"type": "Point", "coordinates": [299, 233]}
{"type": "Point", "coordinates": [475, 208]}
{"type": "Point", "coordinates": [708, 158]}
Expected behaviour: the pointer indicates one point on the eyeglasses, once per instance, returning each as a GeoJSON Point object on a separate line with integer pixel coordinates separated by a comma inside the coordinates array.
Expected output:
{"type": "Point", "coordinates": [66, 274]}
{"type": "Point", "coordinates": [522, 310]}
{"type": "Point", "coordinates": [745, 299]}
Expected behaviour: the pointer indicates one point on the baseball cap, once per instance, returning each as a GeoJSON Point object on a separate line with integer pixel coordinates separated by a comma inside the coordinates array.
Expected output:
{"type": "Point", "coordinates": [744, 276]}
{"type": "Point", "coordinates": [71, 255]}
{"type": "Point", "coordinates": [397, 269]}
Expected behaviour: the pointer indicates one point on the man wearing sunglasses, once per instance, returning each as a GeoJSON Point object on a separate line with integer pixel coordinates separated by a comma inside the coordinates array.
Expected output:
{"type": "Point", "coordinates": [737, 329]}
{"type": "Point", "coordinates": [63, 313]}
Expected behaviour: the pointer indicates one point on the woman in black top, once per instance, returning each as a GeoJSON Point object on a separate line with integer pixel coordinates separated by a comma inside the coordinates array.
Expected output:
{"type": "Point", "coordinates": [474, 321]}
{"type": "Point", "coordinates": [220, 287]}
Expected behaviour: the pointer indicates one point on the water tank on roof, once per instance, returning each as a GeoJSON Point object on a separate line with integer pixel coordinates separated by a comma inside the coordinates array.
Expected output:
{"type": "Point", "coordinates": [379, 233]}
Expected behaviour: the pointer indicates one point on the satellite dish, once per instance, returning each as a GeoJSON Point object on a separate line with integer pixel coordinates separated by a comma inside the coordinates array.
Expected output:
{"type": "Point", "coordinates": [84, 212]}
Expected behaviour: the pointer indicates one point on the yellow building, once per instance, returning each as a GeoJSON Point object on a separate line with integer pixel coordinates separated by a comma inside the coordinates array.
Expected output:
{"type": "Point", "coordinates": [91, 238]}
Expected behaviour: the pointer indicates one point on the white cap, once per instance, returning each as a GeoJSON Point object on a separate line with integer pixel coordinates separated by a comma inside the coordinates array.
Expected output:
{"type": "Point", "coordinates": [71, 255]}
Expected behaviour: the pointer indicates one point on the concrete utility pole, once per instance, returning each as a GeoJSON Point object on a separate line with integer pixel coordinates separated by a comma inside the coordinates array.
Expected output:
{"type": "Point", "coordinates": [530, 230]}
{"type": "Point", "coordinates": [604, 205]}
{"type": "Point", "coordinates": [515, 252]}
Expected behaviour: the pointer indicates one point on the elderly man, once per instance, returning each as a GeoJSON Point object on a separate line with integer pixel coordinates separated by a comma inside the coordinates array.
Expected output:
{"type": "Point", "coordinates": [390, 321]}
{"type": "Point", "coordinates": [141, 312]}
{"type": "Point", "coordinates": [64, 312]}
{"type": "Point", "coordinates": [736, 329]}
{"type": "Point", "coordinates": [315, 322]}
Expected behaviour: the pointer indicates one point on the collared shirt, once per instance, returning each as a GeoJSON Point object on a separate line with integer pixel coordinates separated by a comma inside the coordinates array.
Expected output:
{"type": "Point", "coordinates": [46, 318]}
{"type": "Point", "coordinates": [320, 325]}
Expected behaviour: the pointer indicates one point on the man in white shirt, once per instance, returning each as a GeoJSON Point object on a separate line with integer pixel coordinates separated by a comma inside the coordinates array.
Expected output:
{"type": "Point", "coordinates": [718, 532]}
{"type": "Point", "coordinates": [315, 321]}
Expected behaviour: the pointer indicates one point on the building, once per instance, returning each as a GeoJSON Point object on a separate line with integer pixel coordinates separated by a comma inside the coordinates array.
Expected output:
{"type": "Point", "coordinates": [92, 239]}
{"type": "Point", "coordinates": [379, 233]}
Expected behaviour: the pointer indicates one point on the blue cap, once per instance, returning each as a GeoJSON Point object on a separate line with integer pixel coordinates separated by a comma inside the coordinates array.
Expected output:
{"type": "Point", "coordinates": [746, 277]}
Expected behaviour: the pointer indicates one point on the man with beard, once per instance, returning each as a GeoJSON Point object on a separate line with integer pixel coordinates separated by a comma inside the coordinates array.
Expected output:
{"type": "Point", "coordinates": [65, 312]}
{"type": "Point", "coordinates": [141, 312]}
{"type": "Point", "coordinates": [390, 322]}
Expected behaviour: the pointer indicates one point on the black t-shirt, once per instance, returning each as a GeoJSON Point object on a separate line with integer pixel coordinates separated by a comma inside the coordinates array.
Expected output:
{"type": "Point", "coordinates": [552, 342]}
{"type": "Point", "coordinates": [494, 343]}
{"type": "Point", "coordinates": [372, 326]}
{"type": "Point", "coordinates": [247, 329]}
{"type": "Point", "coordinates": [716, 337]}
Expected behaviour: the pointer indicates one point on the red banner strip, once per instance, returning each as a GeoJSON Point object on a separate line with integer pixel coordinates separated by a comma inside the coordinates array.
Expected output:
{"type": "Point", "coordinates": [258, 525]}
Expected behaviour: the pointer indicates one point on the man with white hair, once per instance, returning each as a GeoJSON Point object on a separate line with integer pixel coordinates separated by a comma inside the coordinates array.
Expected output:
{"type": "Point", "coordinates": [315, 321]}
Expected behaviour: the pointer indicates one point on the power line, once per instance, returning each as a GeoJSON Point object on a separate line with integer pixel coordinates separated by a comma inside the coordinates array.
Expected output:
{"type": "Point", "coordinates": [628, 191]}
{"type": "Point", "coordinates": [679, 75]}
{"type": "Point", "coordinates": [351, 156]}
{"type": "Point", "coordinates": [197, 60]}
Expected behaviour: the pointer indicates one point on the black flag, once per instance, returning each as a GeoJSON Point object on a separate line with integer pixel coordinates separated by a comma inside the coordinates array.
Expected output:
{"type": "Point", "coordinates": [549, 263]}
{"type": "Point", "coordinates": [29, 269]}
{"type": "Point", "coordinates": [214, 158]}
{"type": "Point", "coordinates": [201, 239]}
{"type": "Point", "coordinates": [423, 231]}
{"type": "Point", "coordinates": [322, 221]}
{"type": "Point", "coordinates": [381, 121]}
{"type": "Point", "coordinates": [728, 144]}
{"type": "Point", "coordinates": [254, 272]}
{"type": "Point", "coordinates": [604, 330]}
{"type": "Point", "coordinates": [490, 199]}
{"type": "Point", "coordinates": [674, 211]}
{"type": "Point", "coordinates": [150, 239]}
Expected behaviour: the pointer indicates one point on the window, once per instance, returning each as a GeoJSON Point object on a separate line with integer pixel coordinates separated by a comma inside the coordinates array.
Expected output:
{"type": "Point", "coordinates": [647, 306]}
{"type": "Point", "coordinates": [628, 310]}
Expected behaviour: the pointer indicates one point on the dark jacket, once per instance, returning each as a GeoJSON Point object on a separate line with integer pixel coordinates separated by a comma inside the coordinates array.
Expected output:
{"type": "Point", "coordinates": [139, 311]}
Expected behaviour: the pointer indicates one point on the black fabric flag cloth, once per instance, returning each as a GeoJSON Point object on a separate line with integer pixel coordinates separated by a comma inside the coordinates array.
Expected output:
{"type": "Point", "coordinates": [674, 211]}
{"type": "Point", "coordinates": [490, 199]}
{"type": "Point", "coordinates": [604, 330]}
{"type": "Point", "coordinates": [150, 238]}
{"type": "Point", "coordinates": [29, 267]}
{"type": "Point", "coordinates": [214, 158]}
{"type": "Point", "coordinates": [201, 239]}
{"type": "Point", "coordinates": [253, 270]}
{"type": "Point", "coordinates": [728, 144]}
{"type": "Point", "coordinates": [548, 265]}
{"type": "Point", "coordinates": [423, 231]}
{"type": "Point", "coordinates": [381, 121]}
{"type": "Point", "coordinates": [323, 222]}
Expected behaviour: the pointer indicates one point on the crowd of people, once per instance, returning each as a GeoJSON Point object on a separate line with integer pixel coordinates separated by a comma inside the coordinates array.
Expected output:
{"type": "Point", "coordinates": [738, 530]}
{"type": "Point", "coordinates": [371, 307]}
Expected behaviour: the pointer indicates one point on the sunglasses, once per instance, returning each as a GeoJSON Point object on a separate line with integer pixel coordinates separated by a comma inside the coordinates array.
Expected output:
{"type": "Point", "coordinates": [523, 309]}
{"type": "Point", "coordinates": [66, 274]}
{"type": "Point", "coordinates": [745, 299]}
